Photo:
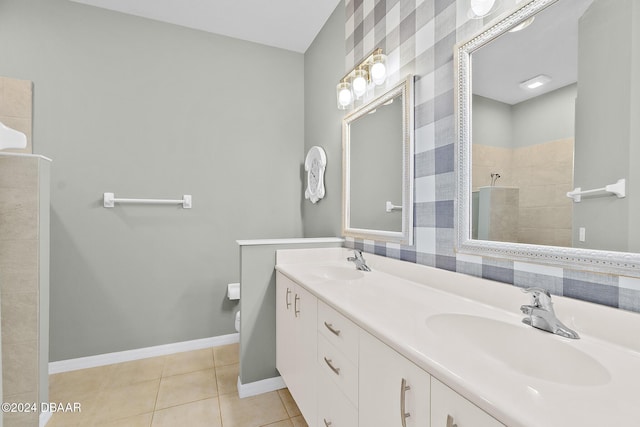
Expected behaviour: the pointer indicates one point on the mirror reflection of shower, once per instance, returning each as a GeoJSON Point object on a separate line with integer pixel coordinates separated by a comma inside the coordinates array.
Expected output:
{"type": "Point", "coordinates": [494, 178]}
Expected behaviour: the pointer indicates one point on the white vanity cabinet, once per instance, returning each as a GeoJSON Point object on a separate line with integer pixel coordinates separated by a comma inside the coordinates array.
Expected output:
{"type": "Point", "coordinates": [296, 344]}
{"type": "Point", "coordinates": [449, 409]}
{"type": "Point", "coordinates": [393, 391]}
{"type": "Point", "coordinates": [342, 376]}
{"type": "Point", "coordinates": [337, 369]}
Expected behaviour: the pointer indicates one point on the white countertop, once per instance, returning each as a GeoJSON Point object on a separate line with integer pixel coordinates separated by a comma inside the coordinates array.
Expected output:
{"type": "Point", "coordinates": [538, 379]}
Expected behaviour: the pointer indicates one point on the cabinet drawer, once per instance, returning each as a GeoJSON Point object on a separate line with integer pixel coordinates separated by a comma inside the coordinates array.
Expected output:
{"type": "Point", "coordinates": [339, 331]}
{"type": "Point", "coordinates": [447, 403]}
{"type": "Point", "coordinates": [334, 409]}
{"type": "Point", "coordinates": [333, 364]}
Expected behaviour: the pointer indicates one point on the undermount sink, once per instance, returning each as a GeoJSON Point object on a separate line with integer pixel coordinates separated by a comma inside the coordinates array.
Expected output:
{"type": "Point", "coordinates": [522, 348]}
{"type": "Point", "coordinates": [338, 273]}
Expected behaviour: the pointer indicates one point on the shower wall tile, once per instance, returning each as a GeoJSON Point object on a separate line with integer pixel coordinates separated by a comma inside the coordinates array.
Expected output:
{"type": "Point", "coordinates": [23, 208]}
{"type": "Point", "coordinates": [18, 213]}
{"type": "Point", "coordinates": [19, 368]}
{"type": "Point", "coordinates": [19, 317]}
{"type": "Point", "coordinates": [18, 172]}
{"type": "Point", "coordinates": [437, 25]}
{"type": "Point", "coordinates": [16, 96]}
{"type": "Point", "coordinates": [16, 101]}
{"type": "Point", "coordinates": [18, 266]}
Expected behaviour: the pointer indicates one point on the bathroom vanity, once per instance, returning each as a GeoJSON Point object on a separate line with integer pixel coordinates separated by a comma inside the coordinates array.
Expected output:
{"type": "Point", "coordinates": [409, 345]}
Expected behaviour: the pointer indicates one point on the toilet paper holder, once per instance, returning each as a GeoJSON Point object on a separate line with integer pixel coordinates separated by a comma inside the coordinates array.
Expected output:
{"type": "Point", "coordinates": [233, 291]}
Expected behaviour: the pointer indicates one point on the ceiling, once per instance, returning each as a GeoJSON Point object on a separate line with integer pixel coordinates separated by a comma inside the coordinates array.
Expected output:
{"type": "Point", "coordinates": [548, 46]}
{"type": "Point", "coordinates": [286, 24]}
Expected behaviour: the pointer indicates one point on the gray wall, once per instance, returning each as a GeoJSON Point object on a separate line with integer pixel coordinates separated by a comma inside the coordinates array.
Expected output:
{"type": "Point", "coordinates": [323, 69]}
{"type": "Point", "coordinates": [545, 118]}
{"type": "Point", "coordinates": [538, 120]}
{"type": "Point", "coordinates": [604, 122]}
{"type": "Point", "coordinates": [492, 122]}
{"type": "Point", "coordinates": [151, 110]}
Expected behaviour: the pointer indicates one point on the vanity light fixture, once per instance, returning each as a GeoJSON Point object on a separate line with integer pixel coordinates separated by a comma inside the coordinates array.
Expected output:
{"type": "Point", "coordinates": [355, 83]}
{"type": "Point", "coordinates": [535, 82]}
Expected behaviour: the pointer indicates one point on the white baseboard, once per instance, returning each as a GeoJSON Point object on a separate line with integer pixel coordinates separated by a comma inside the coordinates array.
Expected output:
{"type": "Point", "coordinates": [44, 418]}
{"type": "Point", "coordinates": [259, 387]}
{"type": "Point", "coordinates": [139, 353]}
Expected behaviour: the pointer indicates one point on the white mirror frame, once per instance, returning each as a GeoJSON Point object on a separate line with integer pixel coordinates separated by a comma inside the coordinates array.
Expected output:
{"type": "Point", "coordinates": [405, 89]}
{"type": "Point", "coordinates": [590, 259]}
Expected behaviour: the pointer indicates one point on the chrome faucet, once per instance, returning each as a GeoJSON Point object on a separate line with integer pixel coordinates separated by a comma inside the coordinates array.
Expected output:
{"type": "Point", "coordinates": [542, 316]}
{"type": "Point", "coordinates": [357, 258]}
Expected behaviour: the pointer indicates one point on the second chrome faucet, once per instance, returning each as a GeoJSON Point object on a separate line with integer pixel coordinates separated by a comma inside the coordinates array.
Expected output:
{"type": "Point", "coordinates": [542, 316]}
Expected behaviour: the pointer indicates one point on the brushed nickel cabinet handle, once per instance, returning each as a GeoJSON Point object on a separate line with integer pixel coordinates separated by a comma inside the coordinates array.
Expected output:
{"type": "Point", "coordinates": [450, 422]}
{"type": "Point", "coordinates": [295, 305]}
{"type": "Point", "coordinates": [330, 327]}
{"type": "Point", "coordinates": [287, 299]}
{"type": "Point", "coordinates": [326, 423]}
{"type": "Point", "coordinates": [333, 368]}
{"type": "Point", "coordinates": [403, 413]}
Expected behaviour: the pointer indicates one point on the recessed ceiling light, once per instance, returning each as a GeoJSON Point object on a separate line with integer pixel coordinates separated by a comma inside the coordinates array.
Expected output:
{"type": "Point", "coordinates": [524, 24]}
{"type": "Point", "coordinates": [535, 82]}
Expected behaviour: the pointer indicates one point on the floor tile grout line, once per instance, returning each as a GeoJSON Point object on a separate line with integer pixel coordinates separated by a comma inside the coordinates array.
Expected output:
{"type": "Point", "coordinates": [105, 385]}
{"type": "Point", "coordinates": [220, 411]}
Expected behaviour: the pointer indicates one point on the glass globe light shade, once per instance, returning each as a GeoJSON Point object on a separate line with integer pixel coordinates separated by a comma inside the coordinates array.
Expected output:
{"type": "Point", "coordinates": [359, 83]}
{"type": "Point", "coordinates": [344, 96]}
{"type": "Point", "coordinates": [379, 69]}
{"type": "Point", "coordinates": [481, 8]}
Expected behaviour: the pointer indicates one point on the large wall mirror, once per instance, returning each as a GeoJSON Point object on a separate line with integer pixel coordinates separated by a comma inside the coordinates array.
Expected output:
{"type": "Point", "coordinates": [377, 145]}
{"type": "Point", "coordinates": [548, 101]}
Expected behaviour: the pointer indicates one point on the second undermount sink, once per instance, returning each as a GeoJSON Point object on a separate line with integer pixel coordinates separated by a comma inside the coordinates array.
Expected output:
{"type": "Point", "coordinates": [521, 348]}
{"type": "Point", "coordinates": [338, 273]}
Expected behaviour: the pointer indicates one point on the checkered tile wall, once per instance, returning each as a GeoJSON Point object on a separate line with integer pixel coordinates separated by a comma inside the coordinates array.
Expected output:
{"type": "Point", "coordinates": [418, 37]}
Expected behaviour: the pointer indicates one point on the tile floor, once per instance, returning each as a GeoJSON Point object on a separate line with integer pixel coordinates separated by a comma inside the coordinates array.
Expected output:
{"type": "Point", "coordinates": [196, 388]}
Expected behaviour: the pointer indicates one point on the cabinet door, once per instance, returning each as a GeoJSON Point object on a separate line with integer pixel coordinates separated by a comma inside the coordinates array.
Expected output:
{"type": "Point", "coordinates": [334, 409]}
{"type": "Point", "coordinates": [449, 408]}
{"type": "Point", "coordinates": [305, 310]}
{"type": "Point", "coordinates": [393, 392]}
{"type": "Point", "coordinates": [284, 327]}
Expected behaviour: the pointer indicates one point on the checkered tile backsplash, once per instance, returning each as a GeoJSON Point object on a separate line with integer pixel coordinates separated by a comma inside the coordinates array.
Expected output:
{"type": "Point", "coordinates": [418, 37]}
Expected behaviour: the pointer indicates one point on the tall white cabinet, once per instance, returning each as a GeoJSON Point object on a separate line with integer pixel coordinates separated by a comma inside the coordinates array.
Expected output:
{"type": "Point", "coordinates": [296, 344]}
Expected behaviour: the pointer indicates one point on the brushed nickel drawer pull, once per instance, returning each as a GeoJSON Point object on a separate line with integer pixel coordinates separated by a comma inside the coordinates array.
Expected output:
{"type": "Point", "coordinates": [403, 413]}
{"type": "Point", "coordinates": [287, 299]}
{"type": "Point", "coordinates": [333, 368]}
{"type": "Point", "coordinates": [296, 311]}
{"type": "Point", "coordinates": [326, 423]}
{"type": "Point", "coordinates": [450, 422]}
{"type": "Point", "coordinates": [330, 327]}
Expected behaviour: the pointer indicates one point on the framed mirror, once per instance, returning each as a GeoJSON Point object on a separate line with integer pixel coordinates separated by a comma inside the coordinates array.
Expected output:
{"type": "Point", "coordinates": [545, 105]}
{"type": "Point", "coordinates": [377, 147]}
